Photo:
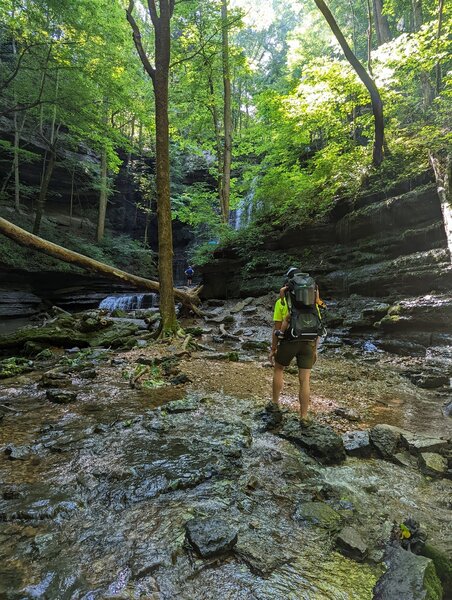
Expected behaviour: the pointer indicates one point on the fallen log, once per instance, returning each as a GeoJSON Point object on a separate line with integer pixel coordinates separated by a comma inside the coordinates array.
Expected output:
{"type": "Point", "coordinates": [29, 240]}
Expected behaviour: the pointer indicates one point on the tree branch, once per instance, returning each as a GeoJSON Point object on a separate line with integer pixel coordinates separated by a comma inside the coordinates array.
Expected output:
{"type": "Point", "coordinates": [153, 12]}
{"type": "Point", "coordinates": [136, 35]}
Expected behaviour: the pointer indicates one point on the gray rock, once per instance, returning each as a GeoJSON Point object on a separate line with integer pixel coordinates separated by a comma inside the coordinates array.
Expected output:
{"type": "Point", "coordinates": [350, 543]}
{"type": "Point", "coordinates": [317, 513]}
{"type": "Point", "coordinates": [433, 464]}
{"type": "Point", "coordinates": [261, 552]}
{"type": "Point", "coordinates": [357, 443]}
{"type": "Point", "coordinates": [417, 443]}
{"type": "Point", "coordinates": [241, 305]}
{"type": "Point", "coordinates": [256, 345]}
{"type": "Point", "coordinates": [386, 439]}
{"type": "Point", "coordinates": [347, 413]}
{"type": "Point", "coordinates": [320, 440]}
{"type": "Point", "coordinates": [211, 537]}
{"type": "Point", "coordinates": [409, 577]}
{"type": "Point", "coordinates": [61, 396]}
{"type": "Point", "coordinates": [17, 452]}
{"type": "Point", "coordinates": [447, 409]}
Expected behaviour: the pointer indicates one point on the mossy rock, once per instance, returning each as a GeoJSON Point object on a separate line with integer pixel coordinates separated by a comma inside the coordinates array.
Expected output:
{"type": "Point", "coordinates": [10, 367]}
{"type": "Point", "coordinates": [443, 564]}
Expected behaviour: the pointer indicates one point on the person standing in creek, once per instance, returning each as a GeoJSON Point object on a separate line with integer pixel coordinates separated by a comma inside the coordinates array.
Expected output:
{"type": "Point", "coordinates": [189, 272]}
{"type": "Point", "coordinates": [297, 326]}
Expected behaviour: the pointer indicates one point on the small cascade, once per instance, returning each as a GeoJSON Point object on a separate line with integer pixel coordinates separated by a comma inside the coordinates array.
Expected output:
{"type": "Point", "coordinates": [129, 302]}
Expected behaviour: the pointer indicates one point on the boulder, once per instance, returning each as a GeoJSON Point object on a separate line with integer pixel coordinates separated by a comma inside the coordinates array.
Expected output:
{"type": "Point", "coordinates": [386, 439]}
{"type": "Point", "coordinates": [241, 305]}
{"type": "Point", "coordinates": [17, 452]}
{"type": "Point", "coordinates": [317, 513]}
{"type": "Point", "coordinates": [357, 443]}
{"type": "Point", "coordinates": [211, 537]}
{"type": "Point", "coordinates": [319, 440]}
{"type": "Point", "coordinates": [59, 396]}
{"type": "Point", "coordinates": [433, 464]}
{"type": "Point", "coordinates": [409, 577]}
{"type": "Point", "coordinates": [350, 543]}
{"type": "Point", "coordinates": [347, 413]}
{"type": "Point", "coordinates": [417, 443]}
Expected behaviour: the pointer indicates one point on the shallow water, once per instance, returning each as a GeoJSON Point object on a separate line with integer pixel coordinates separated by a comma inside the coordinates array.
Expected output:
{"type": "Point", "coordinates": [96, 504]}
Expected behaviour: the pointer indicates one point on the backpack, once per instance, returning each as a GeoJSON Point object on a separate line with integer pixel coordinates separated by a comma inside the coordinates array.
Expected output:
{"type": "Point", "coordinates": [305, 320]}
{"type": "Point", "coordinates": [189, 272]}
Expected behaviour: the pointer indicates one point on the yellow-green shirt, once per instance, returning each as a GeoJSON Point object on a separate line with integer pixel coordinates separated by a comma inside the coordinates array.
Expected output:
{"type": "Point", "coordinates": [281, 311]}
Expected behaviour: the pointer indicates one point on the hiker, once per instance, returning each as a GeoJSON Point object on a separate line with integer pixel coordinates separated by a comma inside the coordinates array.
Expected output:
{"type": "Point", "coordinates": [297, 325]}
{"type": "Point", "coordinates": [189, 272]}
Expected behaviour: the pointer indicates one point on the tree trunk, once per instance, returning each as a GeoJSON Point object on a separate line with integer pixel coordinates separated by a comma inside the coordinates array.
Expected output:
{"type": "Point", "coordinates": [28, 240]}
{"type": "Point", "coordinates": [381, 23]}
{"type": "Point", "coordinates": [227, 152]}
{"type": "Point", "coordinates": [16, 164]}
{"type": "Point", "coordinates": [43, 191]}
{"type": "Point", "coordinates": [417, 14]}
{"type": "Point", "coordinates": [369, 38]}
{"type": "Point", "coordinates": [443, 176]}
{"type": "Point", "coordinates": [103, 198]}
{"type": "Point", "coordinates": [165, 232]}
{"type": "Point", "coordinates": [160, 76]}
{"type": "Point", "coordinates": [377, 104]}
{"type": "Point", "coordinates": [438, 73]}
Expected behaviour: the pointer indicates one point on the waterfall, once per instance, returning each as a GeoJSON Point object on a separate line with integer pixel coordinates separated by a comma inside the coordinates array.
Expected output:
{"type": "Point", "coordinates": [241, 216]}
{"type": "Point", "coordinates": [129, 302]}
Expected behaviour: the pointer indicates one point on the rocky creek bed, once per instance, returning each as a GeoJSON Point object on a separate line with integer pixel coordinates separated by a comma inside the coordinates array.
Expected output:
{"type": "Point", "coordinates": [147, 471]}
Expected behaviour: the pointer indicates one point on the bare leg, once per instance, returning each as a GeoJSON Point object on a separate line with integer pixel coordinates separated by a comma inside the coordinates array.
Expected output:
{"type": "Point", "coordinates": [304, 392]}
{"type": "Point", "coordinates": [278, 380]}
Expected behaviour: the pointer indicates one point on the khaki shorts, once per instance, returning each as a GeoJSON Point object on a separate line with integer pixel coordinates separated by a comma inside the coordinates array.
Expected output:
{"type": "Point", "coordinates": [306, 353]}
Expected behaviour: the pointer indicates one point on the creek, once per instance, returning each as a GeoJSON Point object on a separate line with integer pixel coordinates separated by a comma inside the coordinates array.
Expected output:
{"type": "Point", "coordinates": [98, 493]}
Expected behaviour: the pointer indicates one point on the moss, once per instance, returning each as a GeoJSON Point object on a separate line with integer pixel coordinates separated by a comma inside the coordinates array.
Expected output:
{"type": "Point", "coordinates": [10, 367]}
{"type": "Point", "coordinates": [432, 584]}
{"type": "Point", "coordinates": [443, 565]}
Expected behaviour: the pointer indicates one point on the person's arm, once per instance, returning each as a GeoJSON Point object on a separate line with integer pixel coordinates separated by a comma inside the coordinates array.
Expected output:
{"type": "Point", "coordinates": [274, 346]}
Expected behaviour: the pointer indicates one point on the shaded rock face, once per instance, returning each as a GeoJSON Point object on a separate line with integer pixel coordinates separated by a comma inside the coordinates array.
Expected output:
{"type": "Point", "coordinates": [409, 577]}
{"type": "Point", "coordinates": [373, 247]}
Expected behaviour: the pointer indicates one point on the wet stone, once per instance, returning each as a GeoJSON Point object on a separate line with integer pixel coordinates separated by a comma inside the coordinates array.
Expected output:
{"type": "Point", "coordinates": [255, 345]}
{"type": "Point", "coordinates": [241, 305]}
{"type": "Point", "coordinates": [211, 537]}
{"type": "Point", "coordinates": [386, 439]}
{"type": "Point", "coordinates": [409, 577]}
{"type": "Point", "coordinates": [184, 405]}
{"type": "Point", "coordinates": [319, 440]}
{"type": "Point", "coordinates": [55, 379]}
{"type": "Point", "coordinates": [347, 413]}
{"type": "Point", "coordinates": [417, 443]}
{"type": "Point", "coordinates": [350, 543]}
{"type": "Point", "coordinates": [357, 443]}
{"type": "Point", "coordinates": [261, 552]}
{"type": "Point", "coordinates": [58, 396]}
{"type": "Point", "coordinates": [17, 452]}
{"type": "Point", "coordinates": [433, 464]}
{"type": "Point", "coordinates": [317, 513]}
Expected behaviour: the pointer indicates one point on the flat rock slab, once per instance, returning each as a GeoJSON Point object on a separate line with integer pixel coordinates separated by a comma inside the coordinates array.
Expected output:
{"type": "Point", "coordinates": [357, 443]}
{"type": "Point", "coordinates": [211, 537]}
{"type": "Point", "coordinates": [317, 513]}
{"type": "Point", "coordinates": [184, 405]}
{"type": "Point", "coordinates": [319, 440]}
{"type": "Point", "coordinates": [433, 464]}
{"type": "Point", "coordinates": [350, 543]}
{"type": "Point", "coordinates": [418, 444]}
{"type": "Point", "coordinates": [241, 305]}
{"type": "Point", "coordinates": [58, 396]}
{"type": "Point", "coordinates": [409, 577]}
{"type": "Point", "coordinates": [261, 553]}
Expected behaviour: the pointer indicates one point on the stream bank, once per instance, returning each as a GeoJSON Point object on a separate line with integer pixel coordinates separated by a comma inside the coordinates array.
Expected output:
{"type": "Point", "coordinates": [148, 473]}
